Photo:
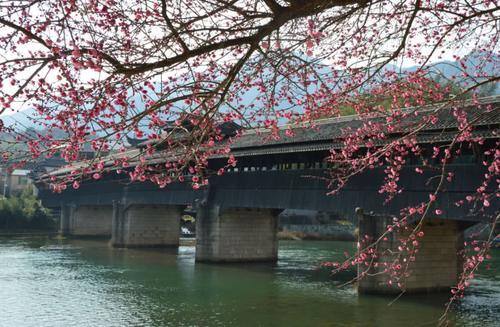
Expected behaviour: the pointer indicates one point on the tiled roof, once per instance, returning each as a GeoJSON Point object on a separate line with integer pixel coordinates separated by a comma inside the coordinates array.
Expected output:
{"type": "Point", "coordinates": [328, 133]}
{"type": "Point", "coordinates": [334, 129]}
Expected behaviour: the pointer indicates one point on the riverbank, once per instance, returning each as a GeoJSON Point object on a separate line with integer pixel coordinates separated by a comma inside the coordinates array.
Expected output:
{"type": "Point", "coordinates": [333, 231]}
{"type": "Point", "coordinates": [302, 236]}
{"type": "Point", "coordinates": [24, 213]}
{"type": "Point", "coordinates": [183, 241]}
{"type": "Point", "coordinates": [27, 232]}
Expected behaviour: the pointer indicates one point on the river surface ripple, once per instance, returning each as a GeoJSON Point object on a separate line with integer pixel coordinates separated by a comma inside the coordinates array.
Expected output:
{"type": "Point", "coordinates": [49, 282]}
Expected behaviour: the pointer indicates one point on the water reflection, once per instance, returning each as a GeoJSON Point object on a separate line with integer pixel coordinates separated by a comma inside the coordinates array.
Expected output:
{"type": "Point", "coordinates": [46, 282]}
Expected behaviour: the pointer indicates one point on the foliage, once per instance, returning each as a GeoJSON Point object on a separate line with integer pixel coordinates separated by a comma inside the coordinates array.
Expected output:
{"type": "Point", "coordinates": [102, 70]}
{"type": "Point", "coordinates": [449, 88]}
{"type": "Point", "coordinates": [24, 211]}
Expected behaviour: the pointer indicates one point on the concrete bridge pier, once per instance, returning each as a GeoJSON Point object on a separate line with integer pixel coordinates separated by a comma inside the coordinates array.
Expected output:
{"type": "Point", "coordinates": [236, 234]}
{"type": "Point", "coordinates": [85, 220]}
{"type": "Point", "coordinates": [65, 220]}
{"type": "Point", "coordinates": [437, 265]}
{"type": "Point", "coordinates": [146, 225]}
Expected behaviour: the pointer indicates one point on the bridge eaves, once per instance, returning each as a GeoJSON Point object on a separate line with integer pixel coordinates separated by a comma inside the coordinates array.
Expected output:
{"type": "Point", "coordinates": [326, 134]}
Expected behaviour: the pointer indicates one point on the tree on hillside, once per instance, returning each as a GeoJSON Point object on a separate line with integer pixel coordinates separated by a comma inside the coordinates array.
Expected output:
{"type": "Point", "coordinates": [102, 70]}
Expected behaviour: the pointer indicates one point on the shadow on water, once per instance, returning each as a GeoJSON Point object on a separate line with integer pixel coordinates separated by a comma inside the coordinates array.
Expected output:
{"type": "Point", "coordinates": [88, 283]}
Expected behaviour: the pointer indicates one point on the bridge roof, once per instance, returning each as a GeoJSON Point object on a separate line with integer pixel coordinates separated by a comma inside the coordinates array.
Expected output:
{"type": "Point", "coordinates": [326, 134]}
{"type": "Point", "coordinates": [334, 129]}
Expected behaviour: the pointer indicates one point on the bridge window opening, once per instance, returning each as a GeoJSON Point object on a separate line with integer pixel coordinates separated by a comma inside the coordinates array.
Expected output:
{"type": "Point", "coordinates": [282, 163]}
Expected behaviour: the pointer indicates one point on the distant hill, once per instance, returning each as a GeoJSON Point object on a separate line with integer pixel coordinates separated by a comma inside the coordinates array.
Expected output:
{"type": "Point", "coordinates": [448, 69]}
{"type": "Point", "coordinates": [20, 119]}
{"type": "Point", "coordinates": [444, 69]}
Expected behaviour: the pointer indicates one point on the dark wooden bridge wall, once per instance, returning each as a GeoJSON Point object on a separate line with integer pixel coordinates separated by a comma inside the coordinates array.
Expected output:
{"type": "Point", "coordinates": [287, 189]}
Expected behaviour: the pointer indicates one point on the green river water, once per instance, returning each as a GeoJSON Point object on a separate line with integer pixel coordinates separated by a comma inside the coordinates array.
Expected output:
{"type": "Point", "coordinates": [49, 282]}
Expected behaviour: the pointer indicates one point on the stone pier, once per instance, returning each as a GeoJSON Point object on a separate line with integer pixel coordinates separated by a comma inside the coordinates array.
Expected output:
{"type": "Point", "coordinates": [146, 225]}
{"type": "Point", "coordinates": [236, 235]}
{"type": "Point", "coordinates": [86, 220]}
{"type": "Point", "coordinates": [64, 222]}
{"type": "Point", "coordinates": [437, 265]}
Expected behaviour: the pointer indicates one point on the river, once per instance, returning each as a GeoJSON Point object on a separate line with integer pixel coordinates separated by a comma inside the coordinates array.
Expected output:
{"type": "Point", "coordinates": [50, 282]}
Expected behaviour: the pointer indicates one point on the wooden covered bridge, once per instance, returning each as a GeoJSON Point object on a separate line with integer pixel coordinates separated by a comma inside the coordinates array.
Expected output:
{"type": "Point", "coordinates": [237, 212]}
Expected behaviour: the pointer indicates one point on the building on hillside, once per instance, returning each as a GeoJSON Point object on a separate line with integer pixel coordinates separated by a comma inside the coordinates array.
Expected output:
{"type": "Point", "coordinates": [15, 181]}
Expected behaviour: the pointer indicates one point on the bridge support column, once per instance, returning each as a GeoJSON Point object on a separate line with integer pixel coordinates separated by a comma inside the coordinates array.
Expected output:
{"type": "Point", "coordinates": [86, 220]}
{"type": "Point", "coordinates": [236, 235]}
{"type": "Point", "coordinates": [146, 225]}
{"type": "Point", "coordinates": [437, 264]}
{"type": "Point", "coordinates": [65, 220]}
